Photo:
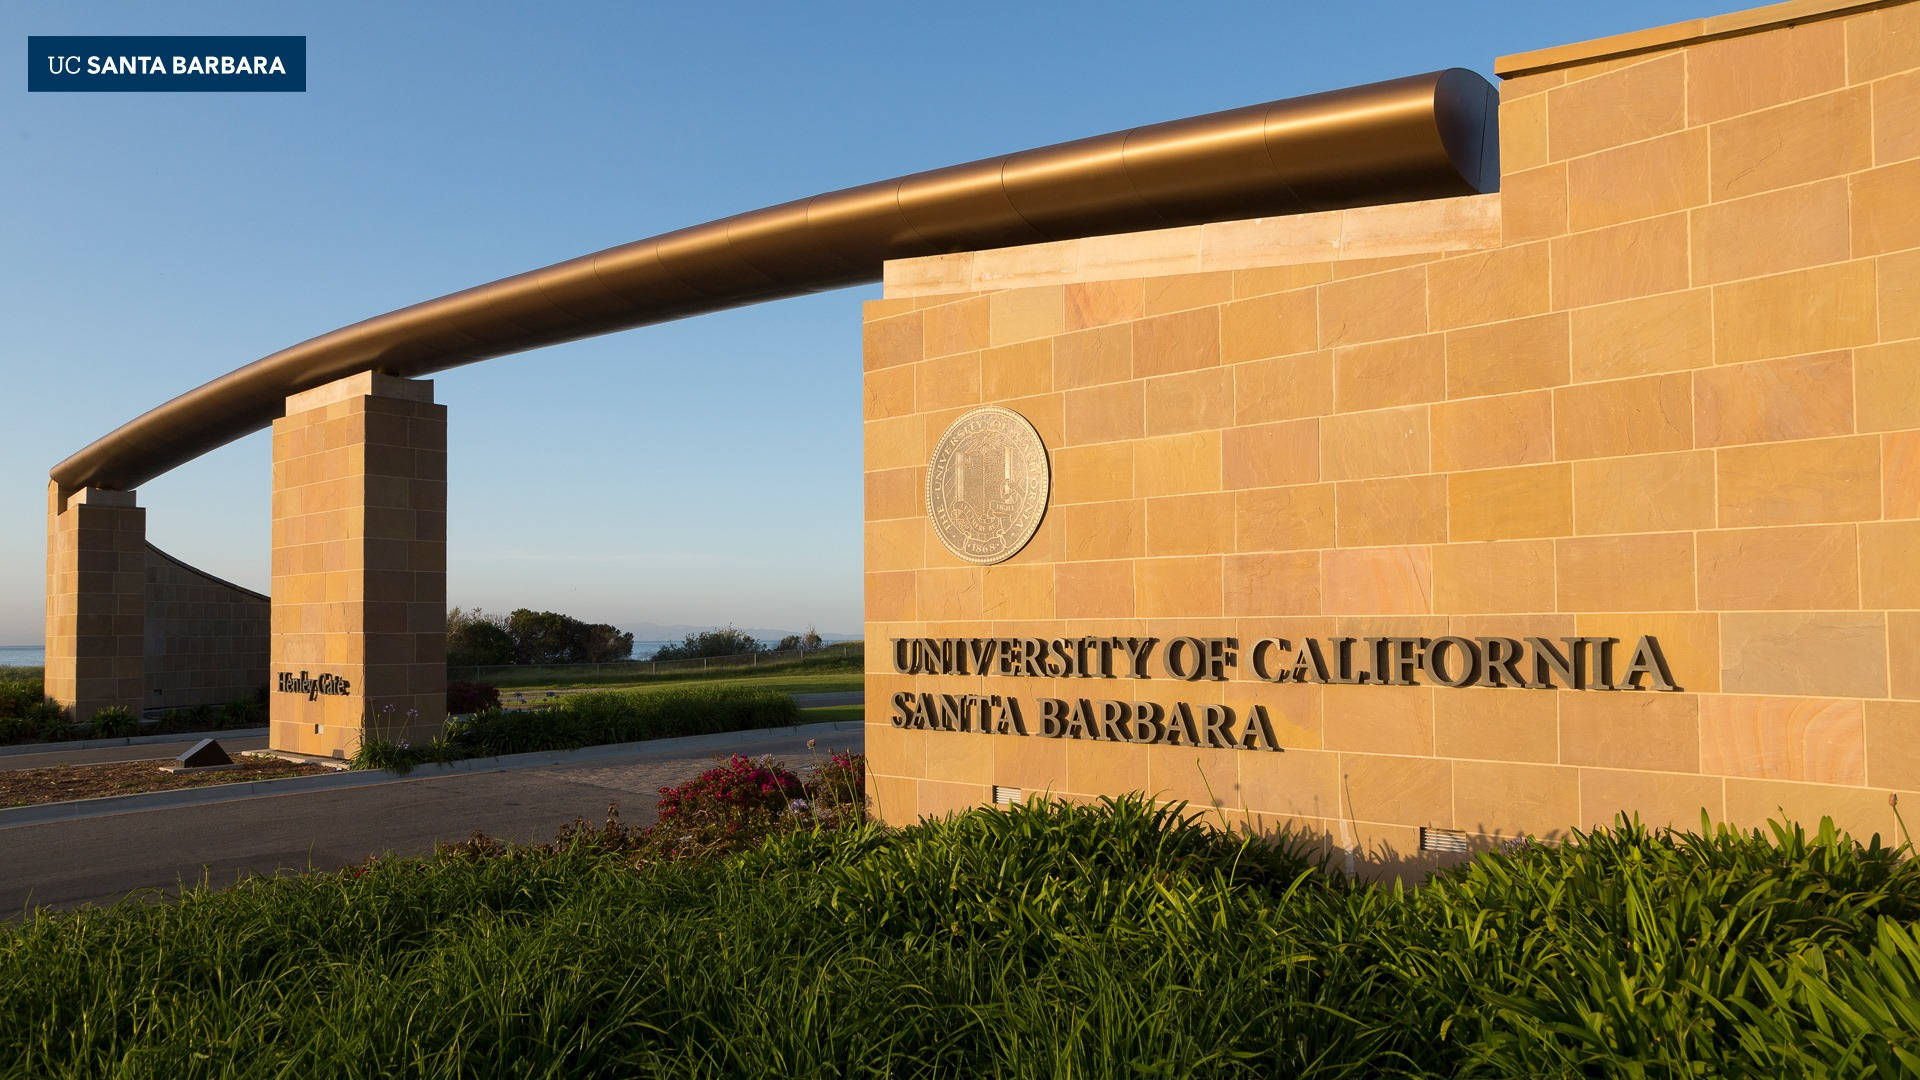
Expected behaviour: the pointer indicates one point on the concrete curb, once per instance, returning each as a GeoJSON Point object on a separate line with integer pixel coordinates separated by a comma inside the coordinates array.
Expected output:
{"type": "Point", "coordinates": [298, 785]}
{"type": "Point", "coordinates": [131, 740]}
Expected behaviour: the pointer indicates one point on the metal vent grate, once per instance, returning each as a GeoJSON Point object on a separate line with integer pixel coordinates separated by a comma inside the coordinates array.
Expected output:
{"type": "Point", "coordinates": [1451, 841]}
{"type": "Point", "coordinates": [1005, 796]}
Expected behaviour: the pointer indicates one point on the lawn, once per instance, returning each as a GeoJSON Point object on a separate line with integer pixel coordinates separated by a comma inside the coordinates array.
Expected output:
{"type": "Point", "coordinates": [832, 682]}
{"type": "Point", "coordinates": [1042, 941]}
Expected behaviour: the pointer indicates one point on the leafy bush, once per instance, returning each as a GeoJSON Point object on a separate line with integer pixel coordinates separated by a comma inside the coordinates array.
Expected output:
{"type": "Point", "coordinates": [1043, 940]}
{"type": "Point", "coordinates": [471, 697]}
{"type": "Point", "coordinates": [112, 722]}
{"type": "Point", "coordinates": [603, 717]}
{"type": "Point", "coordinates": [717, 642]}
{"type": "Point", "coordinates": [18, 693]}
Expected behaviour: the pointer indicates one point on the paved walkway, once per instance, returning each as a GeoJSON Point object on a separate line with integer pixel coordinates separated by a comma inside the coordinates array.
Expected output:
{"type": "Point", "coordinates": [102, 859]}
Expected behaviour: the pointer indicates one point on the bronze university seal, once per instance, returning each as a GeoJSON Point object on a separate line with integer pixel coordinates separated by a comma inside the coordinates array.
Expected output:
{"type": "Point", "coordinates": [987, 485]}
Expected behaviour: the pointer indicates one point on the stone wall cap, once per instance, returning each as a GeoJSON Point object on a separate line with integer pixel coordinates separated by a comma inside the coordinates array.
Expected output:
{"type": "Point", "coordinates": [1675, 35]}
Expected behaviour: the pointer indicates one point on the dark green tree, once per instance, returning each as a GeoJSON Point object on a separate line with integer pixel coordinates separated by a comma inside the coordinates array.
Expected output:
{"type": "Point", "coordinates": [716, 642]}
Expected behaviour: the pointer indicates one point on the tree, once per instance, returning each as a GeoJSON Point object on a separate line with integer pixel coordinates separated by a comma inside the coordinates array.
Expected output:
{"type": "Point", "coordinates": [801, 643]}
{"type": "Point", "coordinates": [476, 639]}
{"type": "Point", "coordinates": [716, 642]}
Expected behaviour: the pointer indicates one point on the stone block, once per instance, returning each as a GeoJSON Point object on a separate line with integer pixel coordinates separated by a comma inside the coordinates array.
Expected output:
{"type": "Point", "coordinates": [1801, 397]}
{"type": "Point", "coordinates": [1391, 510]}
{"type": "Point", "coordinates": [1093, 590]}
{"type": "Point", "coordinates": [1493, 577]}
{"type": "Point", "coordinates": [1025, 314]}
{"type": "Point", "coordinates": [1175, 588]}
{"type": "Point", "coordinates": [1498, 725]}
{"type": "Point", "coordinates": [1806, 653]}
{"type": "Point", "coordinates": [1647, 415]}
{"type": "Point", "coordinates": [1628, 730]}
{"type": "Point", "coordinates": [1182, 292]}
{"type": "Point", "coordinates": [1178, 342]}
{"type": "Point", "coordinates": [1488, 432]}
{"type": "Point", "coordinates": [1647, 493]}
{"type": "Point", "coordinates": [1884, 217]}
{"type": "Point", "coordinates": [1657, 799]}
{"type": "Point", "coordinates": [1107, 530]}
{"type": "Point", "coordinates": [1768, 738]}
{"type": "Point", "coordinates": [1189, 401]}
{"type": "Point", "coordinates": [1893, 744]}
{"type": "Point", "coordinates": [1091, 357]}
{"type": "Point", "coordinates": [1103, 303]}
{"type": "Point", "coordinates": [1012, 371]}
{"type": "Point", "coordinates": [1504, 799]}
{"type": "Point", "coordinates": [1779, 230]}
{"type": "Point", "coordinates": [1375, 307]}
{"type": "Point", "coordinates": [1750, 72]}
{"type": "Point", "coordinates": [1620, 262]}
{"type": "Point", "coordinates": [1638, 180]}
{"type": "Point", "coordinates": [1096, 473]}
{"type": "Point", "coordinates": [1190, 524]}
{"type": "Point", "coordinates": [1814, 480]}
{"type": "Point", "coordinates": [1533, 203]}
{"type": "Point", "coordinates": [1177, 464]}
{"type": "Point", "coordinates": [1797, 143]}
{"type": "Point", "coordinates": [1780, 569]}
{"type": "Point", "coordinates": [1407, 791]}
{"type": "Point", "coordinates": [1277, 583]}
{"type": "Point", "coordinates": [961, 326]}
{"type": "Point", "coordinates": [1625, 106]}
{"type": "Point", "coordinates": [1285, 388]}
{"type": "Point", "coordinates": [1402, 371]}
{"type": "Point", "coordinates": [1648, 572]}
{"type": "Point", "coordinates": [1285, 518]}
{"type": "Point", "coordinates": [1102, 414]}
{"type": "Point", "coordinates": [1270, 455]}
{"type": "Point", "coordinates": [1377, 581]}
{"type": "Point", "coordinates": [1510, 504]}
{"type": "Point", "coordinates": [1488, 286]}
{"type": "Point", "coordinates": [1646, 336]}
{"type": "Point", "coordinates": [1385, 442]}
{"type": "Point", "coordinates": [1890, 564]}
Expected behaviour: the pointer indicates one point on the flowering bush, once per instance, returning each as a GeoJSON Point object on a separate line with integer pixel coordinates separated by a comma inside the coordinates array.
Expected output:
{"type": "Point", "coordinates": [728, 808]}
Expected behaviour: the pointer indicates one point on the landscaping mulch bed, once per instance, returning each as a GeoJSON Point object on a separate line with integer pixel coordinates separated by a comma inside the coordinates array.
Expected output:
{"type": "Point", "coordinates": [29, 787]}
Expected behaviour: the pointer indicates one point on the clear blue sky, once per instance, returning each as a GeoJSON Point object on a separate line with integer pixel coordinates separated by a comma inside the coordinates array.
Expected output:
{"type": "Point", "coordinates": [700, 472]}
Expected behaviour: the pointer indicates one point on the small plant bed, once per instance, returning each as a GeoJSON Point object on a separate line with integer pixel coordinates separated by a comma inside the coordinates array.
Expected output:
{"type": "Point", "coordinates": [593, 718]}
{"type": "Point", "coordinates": [61, 783]}
{"type": "Point", "coordinates": [763, 928]}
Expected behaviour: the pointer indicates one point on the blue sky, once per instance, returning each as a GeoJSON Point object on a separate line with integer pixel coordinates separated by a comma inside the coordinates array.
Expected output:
{"type": "Point", "coordinates": [705, 471]}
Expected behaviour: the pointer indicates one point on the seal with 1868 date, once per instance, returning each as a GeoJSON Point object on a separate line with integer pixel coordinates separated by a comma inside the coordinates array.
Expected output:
{"type": "Point", "coordinates": [987, 485]}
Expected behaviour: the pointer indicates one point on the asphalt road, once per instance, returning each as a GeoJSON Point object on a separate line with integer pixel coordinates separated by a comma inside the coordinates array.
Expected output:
{"type": "Point", "coordinates": [103, 859]}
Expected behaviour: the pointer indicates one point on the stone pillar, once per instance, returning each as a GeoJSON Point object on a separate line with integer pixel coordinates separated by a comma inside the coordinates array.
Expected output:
{"type": "Point", "coordinates": [96, 600]}
{"type": "Point", "coordinates": [359, 566]}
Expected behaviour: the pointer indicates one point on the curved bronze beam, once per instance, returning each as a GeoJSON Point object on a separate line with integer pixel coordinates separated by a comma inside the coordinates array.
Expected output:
{"type": "Point", "coordinates": [1422, 137]}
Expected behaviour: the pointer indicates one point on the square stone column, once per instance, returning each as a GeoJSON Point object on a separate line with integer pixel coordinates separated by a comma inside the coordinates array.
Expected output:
{"type": "Point", "coordinates": [96, 600]}
{"type": "Point", "coordinates": [359, 566]}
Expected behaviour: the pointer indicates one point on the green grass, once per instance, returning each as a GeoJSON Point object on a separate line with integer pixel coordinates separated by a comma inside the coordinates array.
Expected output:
{"type": "Point", "coordinates": [834, 714]}
{"type": "Point", "coordinates": [566, 675]}
{"type": "Point", "coordinates": [818, 683]}
{"type": "Point", "coordinates": [1048, 941]}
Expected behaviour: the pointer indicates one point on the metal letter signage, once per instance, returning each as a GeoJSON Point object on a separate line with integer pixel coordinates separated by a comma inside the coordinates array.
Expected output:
{"type": "Point", "coordinates": [987, 485]}
{"type": "Point", "coordinates": [313, 686]}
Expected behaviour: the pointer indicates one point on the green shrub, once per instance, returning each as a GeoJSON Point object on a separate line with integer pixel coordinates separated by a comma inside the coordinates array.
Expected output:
{"type": "Point", "coordinates": [112, 722]}
{"type": "Point", "coordinates": [18, 693]}
{"type": "Point", "coordinates": [1045, 940]}
{"type": "Point", "coordinates": [47, 722]}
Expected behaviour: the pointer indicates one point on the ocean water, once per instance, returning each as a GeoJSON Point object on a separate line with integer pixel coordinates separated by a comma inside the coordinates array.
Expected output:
{"type": "Point", "coordinates": [22, 656]}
